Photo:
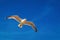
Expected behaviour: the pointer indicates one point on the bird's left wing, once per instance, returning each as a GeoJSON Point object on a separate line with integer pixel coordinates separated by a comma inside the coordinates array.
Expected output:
{"type": "Point", "coordinates": [33, 26]}
{"type": "Point", "coordinates": [15, 17]}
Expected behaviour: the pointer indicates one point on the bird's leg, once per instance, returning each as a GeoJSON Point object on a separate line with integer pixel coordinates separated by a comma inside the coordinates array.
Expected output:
{"type": "Point", "coordinates": [20, 25]}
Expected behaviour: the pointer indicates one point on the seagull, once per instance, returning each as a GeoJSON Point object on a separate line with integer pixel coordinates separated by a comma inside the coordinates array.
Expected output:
{"type": "Point", "coordinates": [23, 22]}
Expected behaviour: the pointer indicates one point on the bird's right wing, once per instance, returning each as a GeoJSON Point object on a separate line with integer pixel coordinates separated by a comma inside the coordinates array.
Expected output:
{"type": "Point", "coordinates": [33, 26]}
{"type": "Point", "coordinates": [15, 17]}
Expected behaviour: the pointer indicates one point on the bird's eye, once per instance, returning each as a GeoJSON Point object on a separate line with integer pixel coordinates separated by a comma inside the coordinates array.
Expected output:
{"type": "Point", "coordinates": [20, 25]}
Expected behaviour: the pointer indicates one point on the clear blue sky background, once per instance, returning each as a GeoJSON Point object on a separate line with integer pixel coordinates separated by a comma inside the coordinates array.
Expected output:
{"type": "Point", "coordinates": [44, 13]}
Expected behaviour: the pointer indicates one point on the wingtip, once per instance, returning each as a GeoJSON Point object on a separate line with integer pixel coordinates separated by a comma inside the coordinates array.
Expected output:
{"type": "Point", "coordinates": [36, 31]}
{"type": "Point", "coordinates": [6, 18]}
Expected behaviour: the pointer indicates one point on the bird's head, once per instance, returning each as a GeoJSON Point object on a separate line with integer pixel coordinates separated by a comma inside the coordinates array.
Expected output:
{"type": "Point", "coordinates": [20, 25]}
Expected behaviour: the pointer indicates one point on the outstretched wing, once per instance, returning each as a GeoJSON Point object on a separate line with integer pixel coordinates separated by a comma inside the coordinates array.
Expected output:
{"type": "Point", "coordinates": [15, 17]}
{"type": "Point", "coordinates": [33, 26]}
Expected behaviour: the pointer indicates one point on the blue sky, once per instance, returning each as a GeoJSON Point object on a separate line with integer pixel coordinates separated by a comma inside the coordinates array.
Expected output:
{"type": "Point", "coordinates": [44, 13]}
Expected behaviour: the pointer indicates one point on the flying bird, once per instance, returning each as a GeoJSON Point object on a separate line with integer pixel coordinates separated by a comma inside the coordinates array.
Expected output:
{"type": "Point", "coordinates": [23, 22]}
